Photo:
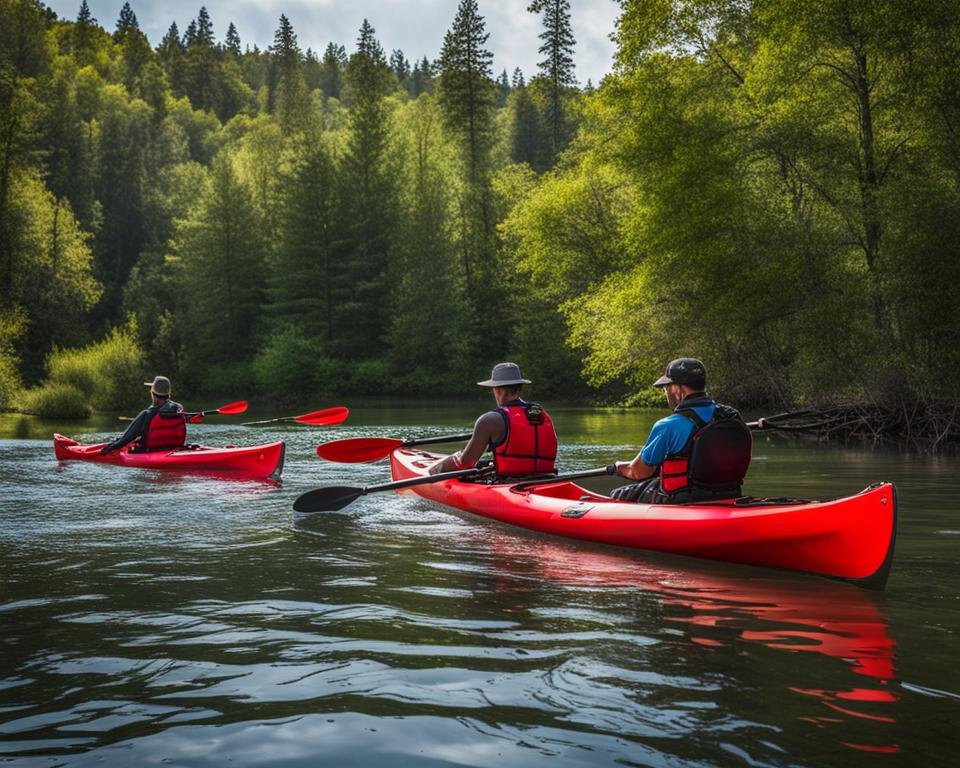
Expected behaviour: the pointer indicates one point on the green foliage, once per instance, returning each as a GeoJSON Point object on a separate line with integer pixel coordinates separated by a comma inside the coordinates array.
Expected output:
{"type": "Point", "coordinates": [56, 400]}
{"type": "Point", "coordinates": [223, 254]}
{"type": "Point", "coordinates": [289, 365]}
{"type": "Point", "coordinates": [771, 186]}
{"type": "Point", "coordinates": [12, 326]}
{"type": "Point", "coordinates": [104, 376]}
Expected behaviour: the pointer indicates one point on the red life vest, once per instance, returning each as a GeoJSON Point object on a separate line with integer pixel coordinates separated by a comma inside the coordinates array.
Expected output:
{"type": "Point", "coordinates": [167, 429]}
{"type": "Point", "coordinates": [714, 461]}
{"type": "Point", "coordinates": [529, 445]}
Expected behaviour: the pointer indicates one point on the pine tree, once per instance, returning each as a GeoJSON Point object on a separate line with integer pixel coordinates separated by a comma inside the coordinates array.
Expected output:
{"type": "Point", "coordinates": [400, 66]}
{"type": "Point", "coordinates": [517, 81]}
{"type": "Point", "coordinates": [557, 67]}
{"type": "Point", "coordinates": [84, 35]}
{"type": "Point", "coordinates": [334, 59]}
{"type": "Point", "coordinates": [526, 135]}
{"type": "Point", "coordinates": [126, 23]}
{"type": "Point", "coordinates": [503, 89]}
{"type": "Point", "coordinates": [369, 197]}
{"type": "Point", "coordinates": [289, 98]}
{"type": "Point", "coordinates": [231, 43]}
{"type": "Point", "coordinates": [421, 79]}
{"type": "Point", "coordinates": [224, 256]}
{"type": "Point", "coordinates": [467, 95]}
{"type": "Point", "coordinates": [201, 66]}
{"type": "Point", "coordinates": [171, 52]}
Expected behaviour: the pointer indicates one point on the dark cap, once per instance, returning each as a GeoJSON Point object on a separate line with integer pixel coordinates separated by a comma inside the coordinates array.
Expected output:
{"type": "Point", "coordinates": [504, 375]}
{"type": "Point", "coordinates": [684, 370]}
{"type": "Point", "coordinates": [159, 386]}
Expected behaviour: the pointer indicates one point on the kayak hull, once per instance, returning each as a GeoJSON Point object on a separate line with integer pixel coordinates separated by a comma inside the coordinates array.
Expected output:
{"type": "Point", "coordinates": [249, 461]}
{"type": "Point", "coordinates": [850, 538]}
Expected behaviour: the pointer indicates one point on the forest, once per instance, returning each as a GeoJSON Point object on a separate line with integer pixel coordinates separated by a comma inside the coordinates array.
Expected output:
{"type": "Point", "coordinates": [772, 186]}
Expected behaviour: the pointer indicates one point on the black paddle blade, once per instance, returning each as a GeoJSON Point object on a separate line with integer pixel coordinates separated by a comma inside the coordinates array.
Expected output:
{"type": "Point", "coordinates": [327, 499]}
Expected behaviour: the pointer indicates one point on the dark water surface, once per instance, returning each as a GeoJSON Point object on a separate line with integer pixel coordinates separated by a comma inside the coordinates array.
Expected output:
{"type": "Point", "coordinates": [148, 618]}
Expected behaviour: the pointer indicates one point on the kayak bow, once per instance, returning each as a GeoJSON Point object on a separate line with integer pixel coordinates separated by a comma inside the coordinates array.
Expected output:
{"type": "Point", "coordinates": [850, 538]}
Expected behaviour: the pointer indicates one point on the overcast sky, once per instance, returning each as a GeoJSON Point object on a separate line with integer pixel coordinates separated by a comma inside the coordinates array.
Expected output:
{"type": "Point", "coordinates": [416, 27]}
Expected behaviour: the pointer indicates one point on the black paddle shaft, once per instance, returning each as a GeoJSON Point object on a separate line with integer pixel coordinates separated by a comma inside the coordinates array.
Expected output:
{"type": "Point", "coordinates": [337, 497]}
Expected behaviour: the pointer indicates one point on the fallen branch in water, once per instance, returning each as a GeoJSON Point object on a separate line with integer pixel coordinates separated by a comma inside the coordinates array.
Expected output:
{"type": "Point", "coordinates": [916, 423]}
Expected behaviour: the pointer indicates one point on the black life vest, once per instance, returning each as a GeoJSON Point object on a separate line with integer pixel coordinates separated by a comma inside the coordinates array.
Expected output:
{"type": "Point", "coordinates": [167, 429]}
{"type": "Point", "coordinates": [529, 444]}
{"type": "Point", "coordinates": [714, 461]}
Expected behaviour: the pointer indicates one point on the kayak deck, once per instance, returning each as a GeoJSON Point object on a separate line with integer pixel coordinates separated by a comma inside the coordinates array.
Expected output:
{"type": "Point", "coordinates": [850, 538]}
{"type": "Point", "coordinates": [247, 461]}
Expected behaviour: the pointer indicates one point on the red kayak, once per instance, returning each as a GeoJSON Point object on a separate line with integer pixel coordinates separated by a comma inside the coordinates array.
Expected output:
{"type": "Point", "coordinates": [851, 538]}
{"type": "Point", "coordinates": [251, 461]}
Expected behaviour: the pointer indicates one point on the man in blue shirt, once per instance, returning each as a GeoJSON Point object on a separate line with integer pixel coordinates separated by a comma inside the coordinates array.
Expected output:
{"type": "Point", "coordinates": [663, 466]}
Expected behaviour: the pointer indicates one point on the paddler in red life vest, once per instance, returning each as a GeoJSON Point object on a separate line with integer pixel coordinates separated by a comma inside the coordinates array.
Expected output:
{"type": "Point", "coordinates": [519, 434]}
{"type": "Point", "coordinates": [162, 426]}
{"type": "Point", "coordinates": [700, 452]}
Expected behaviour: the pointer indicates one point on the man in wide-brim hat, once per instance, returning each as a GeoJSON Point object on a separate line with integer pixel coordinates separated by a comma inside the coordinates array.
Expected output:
{"type": "Point", "coordinates": [162, 426]}
{"type": "Point", "coordinates": [519, 434]}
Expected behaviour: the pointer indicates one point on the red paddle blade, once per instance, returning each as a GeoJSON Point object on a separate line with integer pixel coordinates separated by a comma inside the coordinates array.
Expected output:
{"type": "Point", "coordinates": [358, 449]}
{"type": "Point", "coordinates": [238, 407]}
{"type": "Point", "coordinates": [336, 415]}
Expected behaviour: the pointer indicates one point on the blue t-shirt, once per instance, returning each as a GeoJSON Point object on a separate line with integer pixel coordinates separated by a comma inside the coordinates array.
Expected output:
{"type": "Point", "coordinates": [669, 435]}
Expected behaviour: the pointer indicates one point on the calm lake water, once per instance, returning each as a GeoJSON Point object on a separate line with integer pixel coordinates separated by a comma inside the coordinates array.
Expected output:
{"type": "Point", "coordinates": [150, 618]}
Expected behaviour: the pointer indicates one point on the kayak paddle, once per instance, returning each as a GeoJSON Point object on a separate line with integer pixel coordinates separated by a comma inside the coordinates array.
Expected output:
{"type": "Point", "coordinates": [610, 469]}
{"type": "Point", "coordinates": [355, 450]}
{"type": "Point", "coordinates": [226, 410]}
{"type": "Point", "coordinates": [336, 415]}
{"type": "Point", "coordinates": [337, 497]}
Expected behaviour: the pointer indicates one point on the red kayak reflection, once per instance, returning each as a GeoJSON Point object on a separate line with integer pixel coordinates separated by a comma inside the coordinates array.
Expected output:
{"type": "Point", "coordinates": [720, 607]}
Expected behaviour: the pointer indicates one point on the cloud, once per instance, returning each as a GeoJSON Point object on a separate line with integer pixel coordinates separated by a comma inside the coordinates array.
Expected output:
{"type": "Point", "coordinates": [416, 27]}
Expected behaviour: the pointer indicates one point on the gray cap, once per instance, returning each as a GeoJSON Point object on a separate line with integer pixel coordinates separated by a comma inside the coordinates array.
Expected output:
{"type": "Point", "coordinates": [159, 386]}
{"type": "Point", "coordinates": [504, 375]}
{"type": "Point", "coordinates": [684, 370]}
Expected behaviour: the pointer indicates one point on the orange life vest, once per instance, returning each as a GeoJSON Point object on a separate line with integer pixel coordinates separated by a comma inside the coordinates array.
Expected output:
{"type": "Point", "coordinates": [529, 444]}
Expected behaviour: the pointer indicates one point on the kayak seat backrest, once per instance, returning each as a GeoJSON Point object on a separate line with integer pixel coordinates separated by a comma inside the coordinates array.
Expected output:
{"type": "Point", "coordinates": [721, 454]}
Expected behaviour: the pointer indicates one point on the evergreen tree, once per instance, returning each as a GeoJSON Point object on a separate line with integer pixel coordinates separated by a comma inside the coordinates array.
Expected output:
{"type": "Point", "coordinates": [526, 135]}
{"type": "Point", "coordinates": [289, 99]}
{"type": "Point", "coordinates": [369, 198]}
{"type": "Point", "coordinates": [421, 78]}
{"type": "Point", "coordinates": [466, 96]}
{"type": "Point", "coordinates": [224, 260]}
{"type": "Point", "coordinates": [126, 23]}
{"type": "Point", "coordinates": [310, 289]}
{"type": "Point", "coordinates": [516, 80]}
{"type": "Point", "coordinates": [503, 89]}
{"type": "Point", "coordinates": [334, 60]}
{"type": "Point", "coordinates": [557, 67]}
{"type": "Point", "coordinates": [467, 93]}
{"type": "Point", "coordinates": [232, 41]}
{"type": "Point", "coordinates": [171, 53]}
{"type": "Point", "coordinates": [200, 64]}
{"type": "Point", "coordinates": [427, 346]}
{"type": "Point", "coordinates": [400, 67]}
{"type": "Point", "coordinates": [85, 35]}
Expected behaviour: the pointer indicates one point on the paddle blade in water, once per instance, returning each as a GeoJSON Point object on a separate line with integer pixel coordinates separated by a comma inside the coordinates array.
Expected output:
{"type": "Point", "coordinates": [238, 407]}
{"type": "Point", "coordinates": [327, 416]}
{"type": "Point", "coordinates": [327, 499]}
{"type": "Point", "coordinates": [358, 449]}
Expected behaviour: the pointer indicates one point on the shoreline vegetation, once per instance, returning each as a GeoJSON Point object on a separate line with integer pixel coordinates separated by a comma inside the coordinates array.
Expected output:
{"type": "Point", "coordinates": [771, 186]}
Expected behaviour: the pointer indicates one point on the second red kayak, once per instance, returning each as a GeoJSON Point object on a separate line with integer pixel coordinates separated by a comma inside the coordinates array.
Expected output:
{"type": "Point", "coordinates": [851, 538]}
{"type": "Point", "coordinates": [253, 461]}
